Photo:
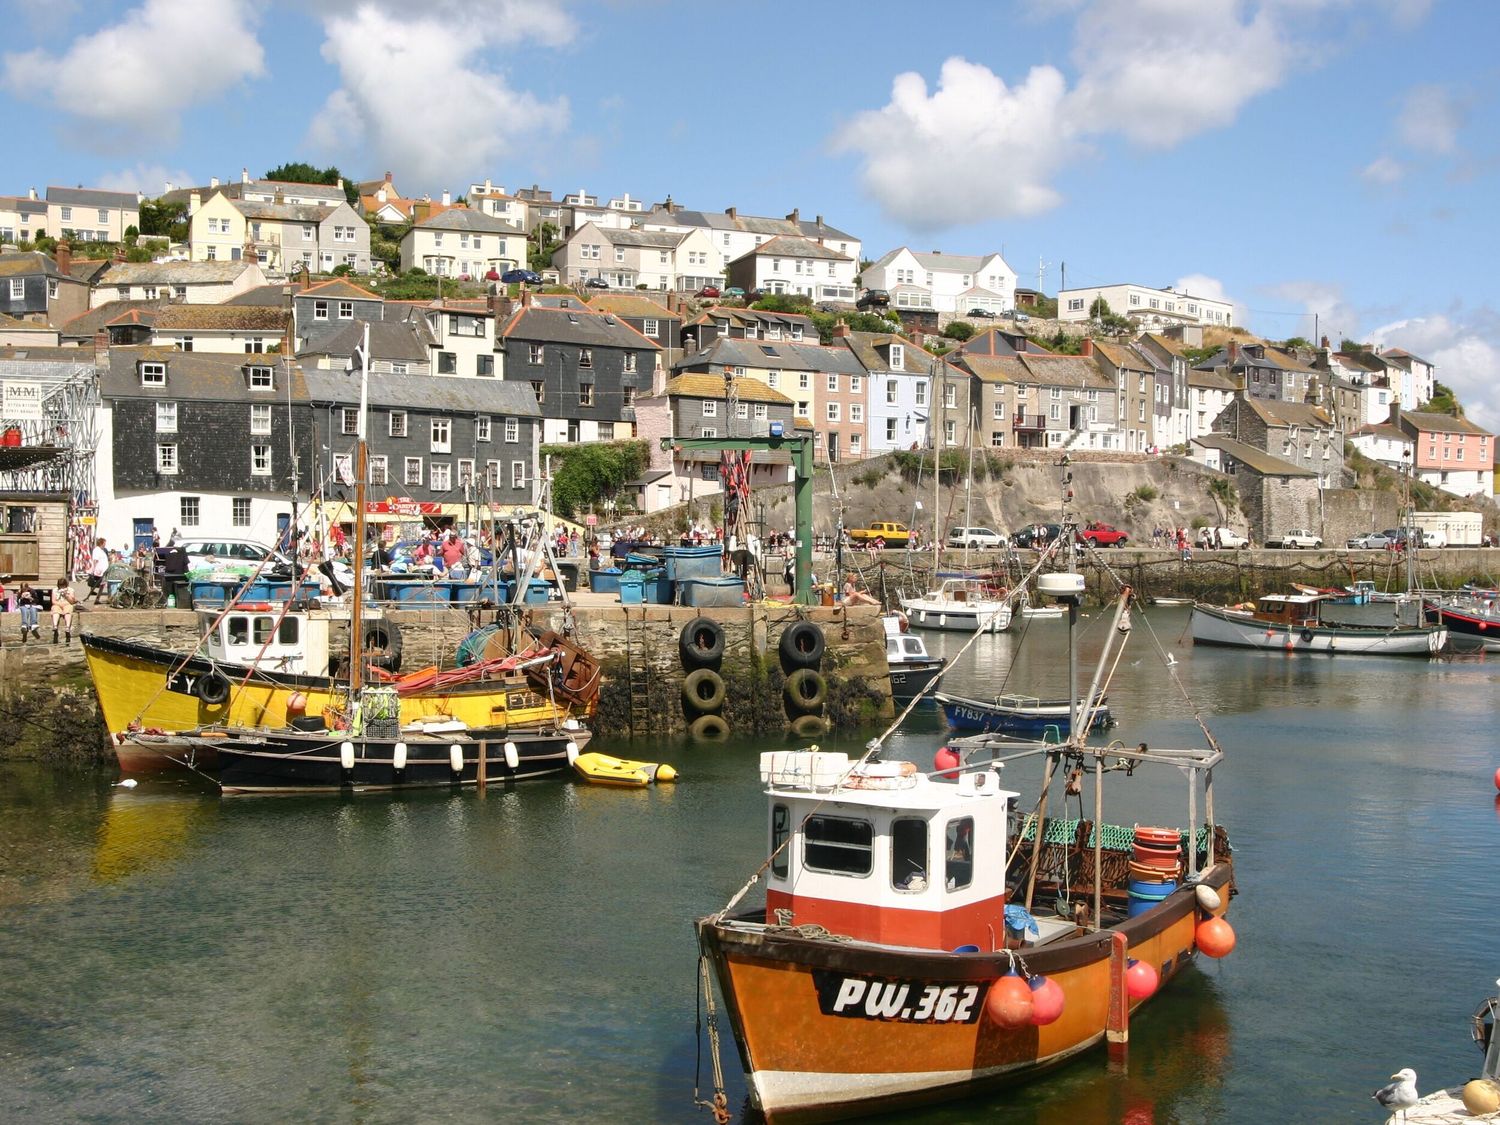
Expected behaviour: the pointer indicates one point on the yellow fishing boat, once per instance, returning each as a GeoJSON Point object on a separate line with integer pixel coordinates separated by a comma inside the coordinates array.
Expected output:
{"type": "Point", "coordinates": [602, 769]}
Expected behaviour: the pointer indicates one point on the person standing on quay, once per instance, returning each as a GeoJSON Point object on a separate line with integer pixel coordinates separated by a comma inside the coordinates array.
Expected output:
{"type": "Point", "coordinates": [98, 565]}
{"type": "Point", "coordinates": [64, 601]}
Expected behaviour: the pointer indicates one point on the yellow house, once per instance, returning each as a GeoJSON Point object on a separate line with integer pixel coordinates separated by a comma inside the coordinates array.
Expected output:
{"type": "Point", "coordinates": [216, 230]}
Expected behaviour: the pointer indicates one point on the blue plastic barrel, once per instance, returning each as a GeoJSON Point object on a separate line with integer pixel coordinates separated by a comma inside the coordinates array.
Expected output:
{"type": "Point", "coordinates": [1151, 890]}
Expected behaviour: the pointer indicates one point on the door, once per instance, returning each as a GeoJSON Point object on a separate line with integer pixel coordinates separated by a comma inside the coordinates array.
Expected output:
{"type": "Point", "coordinates": [141, 532]}
{"type": "Point", "coordinates": [283, 531]}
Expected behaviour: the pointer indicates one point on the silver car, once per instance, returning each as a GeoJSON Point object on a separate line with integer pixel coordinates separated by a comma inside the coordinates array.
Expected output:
{"type": "Point", "coordinates": [1371, 541]}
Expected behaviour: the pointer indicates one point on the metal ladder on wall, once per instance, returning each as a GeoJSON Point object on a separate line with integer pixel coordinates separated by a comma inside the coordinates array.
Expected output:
{"type": "Point", "coordinates": [637, 656]}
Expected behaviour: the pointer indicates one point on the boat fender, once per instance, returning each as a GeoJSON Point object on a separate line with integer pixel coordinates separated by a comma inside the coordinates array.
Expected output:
{"type": "Point", "coordinates": [512, 756]}
{"type": "Point", "coordinates": [809, 726]}
{"type": "Point", "coordinates": [346, 755]}
{"type": "Point", "coordinates": [384, 635]}
{"type": "Point", "coordinates": [805, 691]}
{"type": "Point", "coordinates": [801, 645]}
{"type": "Point", "coordinates": [456, 759]}
{"type": "Point", "coordinates": [398, 758]}
{"type": "Point", "coordinates": [212, 689]}
{"type": "Point", "coordinates": [703, 691]}
{"type": "Point", "coordinates": [701, 643]}
{"type": "Point", "coordinates": [572, 749]}
{"type": "Point", "coordinates": [1307, 634]}
{"type": "Point", "coordinates": [707, 728]}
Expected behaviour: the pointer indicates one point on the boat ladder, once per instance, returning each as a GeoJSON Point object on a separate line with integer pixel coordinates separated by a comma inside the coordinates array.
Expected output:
{"type": "Point", "coordinates": [637, 646]}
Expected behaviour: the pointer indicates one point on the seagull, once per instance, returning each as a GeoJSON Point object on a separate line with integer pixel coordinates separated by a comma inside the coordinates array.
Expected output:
{"type": "Point", "coordinates": [1400, 1095]}
{"type": "Point", "coordinates": [128, 783]}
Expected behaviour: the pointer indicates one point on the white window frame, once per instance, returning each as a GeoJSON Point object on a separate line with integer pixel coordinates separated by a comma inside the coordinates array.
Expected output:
{"type": "Point", "coordinates": [260, 418]}
{"type": "Point", "coordinates": [518, 474]}
{"type": "Point", "coordinates": [442, 435]}
{"type": "Point", "coordinates": [396, 424]}
{"type": "Point", "coordinates": [411, 472]}
{"type": "Point", "coordinates": [440, 476]}
{"type": "Point", "coordinates": [153, 374]}
{"type": "Point", "coordinates": [379, 469]}
{"type": "Point", "coordinates": [166, 417]}
{"type": "Point", "coordinates": [482, 428]}
{"type": "Point", "coordinates": [260, 459]}
{"type": "Point", "coordinates": [512, 430]}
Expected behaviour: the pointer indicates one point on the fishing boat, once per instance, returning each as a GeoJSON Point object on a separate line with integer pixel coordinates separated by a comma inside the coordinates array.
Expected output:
{"type": "Point", "coordinates": [920, 941]}
{"type": "Point", "coordinates": [602, 769]}
{"type": "Point", "coordinates": [913, 670]}
{"type": "Point", "coordinates": [1294, 623]}
{"type": "Point", "coordinates": [1472, 618]}
{"type": "Point", "coordinates": [1018, 714]}
{"type": "Point", "coordinates": [963, 605]}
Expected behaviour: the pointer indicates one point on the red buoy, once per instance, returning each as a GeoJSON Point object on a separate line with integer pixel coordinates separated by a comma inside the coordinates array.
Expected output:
{"type": "Point", "coordinates": [946, 759]}
{"type": "Point", "coordinates": [1214, 937]}
{"type": "Point", "coordinates": [1047, 1000]}
{"type": "Point", "coordinates": [1497, 779]}
{"type": "Point", "coordinates": [1009, 1002]}
{"type": "Point", "coordinates": [1141, 980]}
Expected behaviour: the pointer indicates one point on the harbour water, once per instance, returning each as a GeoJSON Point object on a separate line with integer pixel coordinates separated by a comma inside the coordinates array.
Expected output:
{"type": "Point", "coordinates": [527, 955]}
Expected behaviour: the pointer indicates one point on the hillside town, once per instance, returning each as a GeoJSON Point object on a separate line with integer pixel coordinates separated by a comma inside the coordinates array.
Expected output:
{"type": "Point", "coordinates": [182, 363]}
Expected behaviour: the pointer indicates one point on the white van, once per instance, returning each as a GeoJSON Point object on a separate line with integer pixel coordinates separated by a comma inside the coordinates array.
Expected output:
{"type": "Point", "coordinates": [975, 537]}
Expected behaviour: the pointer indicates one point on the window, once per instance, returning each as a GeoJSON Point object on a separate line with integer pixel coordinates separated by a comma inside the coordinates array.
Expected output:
{"type": "Point", "coordinates": [442, 436]}
{"type": "Point", "coordinates": [950, 395]}
{"type": "Point", "coordinates": [260, 460]}
{"type": "Point", "coordinates": [921, 393]}
{"type": "Point", "coordinates": [184, 343]}
{"type": "Point", "coordinates": [255, 346]}
{"type": "Point", "coordinates": [804, 381]}
{"type": "Point", "coordinates": [187, 509]}
{"type": "Point", "coordinates": [999, 411]}
{"type": "Point", "coordinates": [52, 288]}
{"type": "Point", "coordinates": [260, 418]}
{"type": "Point", "coordinates": [773, 379]}
{"type": "Point", "coordinates": [959, 854]}
{"type": "Point", "coordinates": [447, 363]}
{"type": "Point", "coordinates": [400, 369]}
{"type": "Point", "coordinates": [856, 412]}
{"type": "Point", "coordinates": [898, 355]}
{"type": "Point", "coordinates": [585, 357]}
{"type": "Point", "coordinates": [239, 511]}
{"type": "Point", "coordinates": [153, 374]}
{"type": "Point", "coordinates": [833, 412]}
{"type": "Point", "coordinates": [781, 824]}
{"type": "Point", "coordinates": [397, 427]}
{"type": "Point", "coordinates": [950, 432]}
{"type": "Point", "coordinates": [650, 328]}
{"type": "Point", "coordinates": [710, 408]}
{"type": "Point", "coordinates": [909, 854]}
{"type": "Point", "coordinates": [997, 437]}
{"type": "Point", "coordinates": [585, 394]}
{"type": "Point", "coordinates": [742, 410]}
{"type": "Point", "coordinates": [535, 353]}
{"type": "Point", "coordinates": [413, 473]}
{"type": "Point", "coordinates": [762, 412]}
{"type": "Point", "coordinates": [17, 288]}
{"type": "Point", "coordinates": [630, 361]}
{"type": "Point", "coordinates": [1057, 391]}
{"type": "Point", "coordinates": [440, 476]}
{"type": "Point", "coordinates": [320, 310]}
{"type": "Point", "coordinates": [492, 474]}
{"type": "Point", "coordinates": [539, 389]}
{"type": "Point", "coordinates": [261, 378]}
{"type": "Point", "coordinates": [67, 214]}
{"type": "Point", "coordinates": [346, 310]}
{"type": "Point", "coordinates": [379, 469]}
{"type": "Point", "coordinates": [833, 384]}
{"type": "Point", "coordinates": [349, 420]}
{"type": "Point", "coordinates": [166, 417]}
{"type": "Point", "coordinates": [309, 233]}
{"type": "Point", "coordinates": [518, 474]}
{"type": "Point", "coordinates": [838, 845]}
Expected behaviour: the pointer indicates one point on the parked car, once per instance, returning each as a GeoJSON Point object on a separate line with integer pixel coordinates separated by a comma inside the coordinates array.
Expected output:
{"type": "Point", "coordinates": [596, 283]}
{"type": "Point", "coordinates": [975, 537]}
{"type": "Point", "coordinates": [205, 553]}
{"type": "Point", "coordinates": [521, 277]}
{"type": "Point", "coordinates": [1210, 538]}
{"type": "Point", "coordinates": [734, 291]}
{"type": "Point", "coordinates": [1372, 541]}
{"type": "Point", "coordinates": [873, 298]}
{"type": "Point", "coordinates": [983, 314]}
{"type": "Point", "coordinates": [1102, 535]}
{"type": "Point", "coordinates": [1296, 538]}
{"type": "Point", "coordinates": [1035, 535]}
{"type": "Point", "coordinates": [708, 291]}
{"type": "Point", "coordinates": [1018, 316]}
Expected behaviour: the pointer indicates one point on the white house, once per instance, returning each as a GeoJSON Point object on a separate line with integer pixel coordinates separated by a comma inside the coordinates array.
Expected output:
{"type": "Point", "coordinates": [90, 214]}
{"type": "Point", "coordinates": [795, 265]}
{"type": "Point", "coordinates": [1148, 307]}
{"type": "Point", "coordinates": [1418, 376]}
{"type": "Point", "coordinates": [944, 282]}
{"type": "Point", "coordinates": [1385, 442]}
{"type": "Point", "coordinates": [197, 283]}
{"type": "Point", "coordinates": [660, 260]}
{"type": "Point", "coordinates": [461, 242]}
{"type": "Point", "coordinates": [733, 235]}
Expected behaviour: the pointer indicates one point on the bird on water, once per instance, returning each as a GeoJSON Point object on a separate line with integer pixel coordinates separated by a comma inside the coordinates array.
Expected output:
{"type": "Point", "coordinates": [1400, 1095]}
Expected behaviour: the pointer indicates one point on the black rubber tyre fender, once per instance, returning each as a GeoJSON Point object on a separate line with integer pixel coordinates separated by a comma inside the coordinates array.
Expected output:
{"type": "Point", "coordinates": [703, 691]}
{"type": "Point", "coordinates": [809, 726]}
{"type": "Point", "coordinates": [801, 645]}
{"type": "Point", "coordinates": [1307, 635]}
{"type": "Point", "coordinates": [708, 728]}
{"type": "Point", "coordinates": [212, 688]}
{"type": "Point", "coordinates": [806, 689]}
{"type": "Point", "coordinates": [384, 635]}
{"type": "Point", "coordinates": [701, 644]}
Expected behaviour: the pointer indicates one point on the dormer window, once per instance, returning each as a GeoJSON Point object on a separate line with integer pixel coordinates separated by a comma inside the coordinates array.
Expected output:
{"type": "Point", "coordinates": [260, 378]}
{"type": "Point", "coordinates": [153, 374]}
{"type": "Point", "coordinates": [898, 356]}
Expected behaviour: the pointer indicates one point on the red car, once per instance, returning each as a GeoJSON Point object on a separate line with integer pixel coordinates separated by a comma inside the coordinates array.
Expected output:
{"type": "Point", "coordinates": [709, 291]}
{"type": "Point", "coordinates": [1102, 535]}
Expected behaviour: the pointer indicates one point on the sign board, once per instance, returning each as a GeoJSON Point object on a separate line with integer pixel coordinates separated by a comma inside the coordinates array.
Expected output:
{"type": "Point", "coordinates": [20, 400]}
{"type": "Point", "coordinates": [591, 520]}
{"type": "Point", "coordinates": [402, 506]}
{"type": "Point", "coordinates": [343, 468]}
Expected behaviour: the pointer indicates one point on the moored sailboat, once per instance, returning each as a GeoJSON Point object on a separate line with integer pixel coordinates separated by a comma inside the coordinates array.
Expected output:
{"type": "Point", "coordinates": [1295, 623]}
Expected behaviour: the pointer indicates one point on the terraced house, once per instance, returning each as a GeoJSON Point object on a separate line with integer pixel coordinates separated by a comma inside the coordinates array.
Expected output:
{"type": "Point", "coordinates": [90, 214]}
{"type": "Point", "coordinates": [899, 378]}
{"type": "Point", "coordinates": [283, 236]}
{"type": "Point", "coordinates": [463, 243]}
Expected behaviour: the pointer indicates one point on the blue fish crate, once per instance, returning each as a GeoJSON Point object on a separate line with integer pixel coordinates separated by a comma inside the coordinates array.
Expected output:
{"type": "Point", "coordinates": [632, 588]}
{"type": "Point", "coordinates": [658, 588]}
{"type": "Point", "coordinates": [693, 562]}
{"type": "Point", "coordinates": [463, 592]}
{"type": "Point", "coordinates": [703, 592]}
{"type": "Point", "coordinates": [418, 593]}
{"type": "Point", "coordinates": [538, 591]}
{"type": "Point", "coordinates": [605, 581]}
{"type": "Point", "coordinates": [211, 595]}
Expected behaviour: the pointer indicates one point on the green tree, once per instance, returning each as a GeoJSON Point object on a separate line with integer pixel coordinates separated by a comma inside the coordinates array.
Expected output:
{"type": "Point", "coordinates": [385, 249]}
{"type": "Point", "coordinates": [1348, 345]}
{"type": "Point", "coordinates": [169, 220]}
{"type": "Point", "coordinates": [1296, 342]}
{"type": "Point", "coordinates": [1099, 308]}
{"type": "Point", "coordinates": [959, 330]}
{"type": "Point", "coordinates": [584, 475]}
{"type": "Point", "coordinates": [1444, 401]}
{"type": "Point", "coordinates": [297, 172]}
{"type": "Point", "coordinates": [539, 253]}
{"type": "Point", "coordinates": [857, 322]}
{"type": "Point", "coordinates": [1046, 308]}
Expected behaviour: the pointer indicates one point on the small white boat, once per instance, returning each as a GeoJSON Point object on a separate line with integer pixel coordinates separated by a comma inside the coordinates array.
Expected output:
{"type": "Point", "coordinates": [1292, 623]}
{"type": "Point", "coordinates": [959, 604]}
{"type": "Point", "coordinates": [913, 669]}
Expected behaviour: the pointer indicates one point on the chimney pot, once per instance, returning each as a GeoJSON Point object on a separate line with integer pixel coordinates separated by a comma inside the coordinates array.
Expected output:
{"type": "Point", "coordinates": [64, 255]}
{"type": "Point", "coordinates": [820, 220]}
{"type": "Point", "coordinates": [795, 215]}
{"type": "Point", "coordinates": [244, 175]}
{"type": "Point", "coordinates": [1088, 346]}
{"type": "Point", "coordinates": [32, 193]}
{"type": "Point", "coordinates": [167, 188]}
{"type": "Point", "coordinates": [525, 298]}
{"type": "Point", "coordinates": [841, 329]}
{"type": "Point", "coordinates": [195, 201]}
{"type": "Point", "coordinates": [447, 199]}
{"type": "Point", "coordinates": [731, 212]}
{"type": "Point", "coordinates": [388, 177]}
{"type": "Point", "coordinates": [213, 181]}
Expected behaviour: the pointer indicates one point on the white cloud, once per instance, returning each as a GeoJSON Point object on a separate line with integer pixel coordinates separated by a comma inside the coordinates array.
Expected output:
{"type": "Point", "coordinates": [141, 72]}
{"type": "Point", "coordinates": [1160, 71]}
{"type": "Point", "coordinates": [1461, 346]}
{"type": "Point", "coordinates": [1201, 285]}
{"type": "Point", "coordinates": [1383, 170]}
{"type": "Point", "coordinates": [1335, 316]}
{"type": "Point", "coordinates": [973, 148]}
{"type": "Point", "coordinates": [417, 94]}
{"type": "Point", "coordinates": [149, 179]}
{"type": "Point", "coordinates": [1430, 120]}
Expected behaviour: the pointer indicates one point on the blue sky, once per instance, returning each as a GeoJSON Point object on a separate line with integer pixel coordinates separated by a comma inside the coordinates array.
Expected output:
{"type": "Point", "coordinates": [1336, 157]}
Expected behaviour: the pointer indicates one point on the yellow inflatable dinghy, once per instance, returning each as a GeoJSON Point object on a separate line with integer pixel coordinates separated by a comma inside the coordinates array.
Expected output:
{"type": "Point", "coordinates": [605, 770]}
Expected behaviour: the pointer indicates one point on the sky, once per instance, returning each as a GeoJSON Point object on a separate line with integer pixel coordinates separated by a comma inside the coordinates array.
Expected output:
{"type": "Point", "coordinates": [1329, 166]}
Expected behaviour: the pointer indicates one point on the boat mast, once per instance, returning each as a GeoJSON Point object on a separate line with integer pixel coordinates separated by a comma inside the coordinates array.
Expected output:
{"type": "Point", "coordinates": [937, 445]}
{"type": "Point", "coordinates": [361, 471]}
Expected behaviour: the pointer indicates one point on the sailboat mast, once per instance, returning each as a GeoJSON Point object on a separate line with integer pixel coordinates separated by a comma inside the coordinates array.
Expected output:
{"type": "Point", "coordinates": [937, 439]}
{"type": "Point", "coordinates": [361, 471]}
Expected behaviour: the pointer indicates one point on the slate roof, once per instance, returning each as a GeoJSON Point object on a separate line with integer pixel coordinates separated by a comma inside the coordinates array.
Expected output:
{"type": "Point", "coordinates": [655, 239]}
{"type": "Point", "coordinates": [1441, 423]}
{"type": "Point", "coordinates": [867, 346]}
{"type": "Point", "coordinates": [573, 326]}
{"type": "Point", "coordinates": [751, 224]}
{"type": "Point", "coordinates": [1384, 430]}
{"type": "Point", "coordinates": [783, 355]}
{"type": "Point", "coordinates": [18, 264]}
{"type": "Point", "coordinates": [251, 318]}
{"type": "Point", "coordinates": [199, 376]}
{"type": "Point", "coordinates": [1210, 380]}
{"type": "Point", "coordinates": [759, 317]}
{"type": "Point", "coordinates": [1257, 459]}
{"type": "Point", "coordinates": [1277, 413]}
{"type": "Point", "coordinates": [283, 212]}
{"type": "Point", "coordinates": [92, 197]}
{"type": "Point", "coordinates": [788, 246]}
{"type": "Point", "coordinates": [260, 295]}
{"type": "Point", "coordinates": [402, 341]}
{"type": "Point", "coordinates": [1063, 371]}
{"type": "Point", "coordinates": [86, 325]}
{"type": "Point", "coordinates": [339, 289]}
{"type": "Point", "coordinates": [1401, 354]}
{"type": "Point", "coordinates": [954, 263]}
{"type": "Point", "coordinates": [633, 305]}
{"type": "Point", "coordinates": [23, 204]}
{"type": "Point", "coordinates": [1123, 356]}
{"type": "Point", "coordinates": [87, 270]}
{"type": "Point", "coordinates": [702, 385]}
{"type": "Point", "coordinates": [172, 273]}
{"type": "Point", "coordinates": [461, 218]}
{"type": "Point", "coordinates": [429, 394]}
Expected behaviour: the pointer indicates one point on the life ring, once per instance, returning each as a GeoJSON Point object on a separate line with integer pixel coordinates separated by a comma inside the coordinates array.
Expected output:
{"type": "Point", "coordinates": [701, 643]}
{"type": "Point", "coordinates": [708, 728]}
{"type": "Point", "coordinates": [212, 689]}
{"type": "Point", "coordinates": [385, 636]}
{"type": "Point", "coordinates": [809, 726]}
{"type": "Point", "coordinates": [805, 691]}
{"type": "Point", "coordinates": [1307, 635]}
{"type": "Point", "coordinates": [801, 645]}
{"type": "Point", "coordinates": [703, 691]}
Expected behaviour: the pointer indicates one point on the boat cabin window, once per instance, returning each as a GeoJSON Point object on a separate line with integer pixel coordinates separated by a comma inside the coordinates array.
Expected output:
{"type": "Point", "coordinates": [912, 646]}
{"type": "Point", "coordinates": [909, 854]}
{"type": "Point", "coordinates": [960, 853]}
{"type": "Point", "coordinates": [837, 845]}
{"type": "Point", "coordinates": [781, 822]}
{"type": "Point", "coordinates": [260, 629]}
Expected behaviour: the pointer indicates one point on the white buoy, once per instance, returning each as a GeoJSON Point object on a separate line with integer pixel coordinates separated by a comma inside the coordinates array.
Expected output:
{"type": "Point", "coordinates": [346, 755]}
{"type": "Point", "coordinates": [572, 752]}
{"type": "Point", "coordinates": [398, 759]}
{"type": "Point", "coordinates": [456, 758]}
{"type": "Point", "coordinates": [128, 783]}
{"type": "Point", "coordinates": [1208, 898]}
{"type": "Point", "coordinates": [512, 755]}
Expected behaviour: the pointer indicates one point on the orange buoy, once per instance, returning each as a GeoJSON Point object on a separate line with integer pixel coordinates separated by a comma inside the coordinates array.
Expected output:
{"type": "Point", "coordinates": [945, 759]}
{"type": "Point", "coordinates": [1141, 980]}
{"type": "Point", "coordinates": [296, 705]}
{"type": "Point", "coordinates": [1214, 937]}
{"type": "Point", "coordinates": [1009, 1002]}
{"type": "Point", "coordinates": [1497, 779]}
{"type": "Point", "coordinates": [1047, 1000]}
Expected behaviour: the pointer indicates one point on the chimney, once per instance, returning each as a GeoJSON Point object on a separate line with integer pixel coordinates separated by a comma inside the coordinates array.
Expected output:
{"type": "Point", "coordinates": [249, 253]}
{"type": "Point", "coordinates": [1324, 343]}
{"type": "Point", "coordinates": [731, 212]}
{"type": "Point", "coordinates": [304, 281]}
{"type": "Point", "coordinates": [64, 254]}
{"type": "Point", "coordinates": [526, 298]}
{"type": "Point", "coordinates": [167, 188]}
{"type": "Point", "coordinates": [195, 201]}
{"type": "Point", "coordinates": [795, 216]}
{"type": "Point", "coordinates": [1234, 352]}
{"type": "Point", "coordinates": [489, 188]}
{"type": "Point", "coordinates": [31, 194]}
{"type": "Point", "coordinates": [819, 220]}
{"type": "Point", "coordinates": [447, 199]}
{"type": "Point", "coordinates": [1088, 346]}
{"type": "Point", "coordinates": [671, 300]}
{"type": "Point", "coordinates": [119, 254]}
{"type": "Point", "coordinates": [341, 184]}
{"type": "Point", "coordinates": [669, 207]}
{"type": "Point", "coordinates": [244, 175]}
{"type": "Point", "coordinates": [841, 330]}
{"type": "Point", "coordinates": [213, 181]}
{"type": "Point", "coordinates": [388, 178]}
{"type": "Point", "coordinates": [101, 340]}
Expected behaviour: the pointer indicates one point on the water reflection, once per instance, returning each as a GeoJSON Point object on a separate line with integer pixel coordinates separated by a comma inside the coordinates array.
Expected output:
{"type": "Point", "coordinates": [141, 830]}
